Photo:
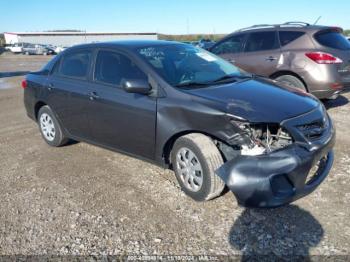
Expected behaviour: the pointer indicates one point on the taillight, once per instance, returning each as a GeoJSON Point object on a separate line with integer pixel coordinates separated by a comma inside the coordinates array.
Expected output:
{"type": "Point", "coordinates": [324, 58]}
{"type": "Point", "coordinates": [24, 84]}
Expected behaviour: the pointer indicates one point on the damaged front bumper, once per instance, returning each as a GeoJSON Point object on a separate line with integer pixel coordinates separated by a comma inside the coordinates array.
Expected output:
{"type": "Point", "coordinates": [279, 177]}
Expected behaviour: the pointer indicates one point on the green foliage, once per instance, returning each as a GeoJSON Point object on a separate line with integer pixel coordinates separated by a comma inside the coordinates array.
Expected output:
{"type": "Point", "coordinates": [347, 32]}
{"type": "Point", "coordinates": [2, 40]}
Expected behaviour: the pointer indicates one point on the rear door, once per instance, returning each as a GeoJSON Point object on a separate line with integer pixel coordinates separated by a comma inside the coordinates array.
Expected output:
{"type": "Point", "coordinates": [230, 48]}
{"type": "Point", "coordinates": [121, 120]}
{"type": "Point", "coordinates": [261, 53]}
{"type": "Point", "coordinates": [68, 91]}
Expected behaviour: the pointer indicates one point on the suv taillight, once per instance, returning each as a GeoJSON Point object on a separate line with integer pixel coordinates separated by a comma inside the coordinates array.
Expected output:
{"type": "Point", "coordinates": [24, 84]}
{"type": "Point", "coordinates": [324, 58]}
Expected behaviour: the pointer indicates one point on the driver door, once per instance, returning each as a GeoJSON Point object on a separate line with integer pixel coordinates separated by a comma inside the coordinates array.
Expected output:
{"type": "Point", "coordinates": [121, 120]}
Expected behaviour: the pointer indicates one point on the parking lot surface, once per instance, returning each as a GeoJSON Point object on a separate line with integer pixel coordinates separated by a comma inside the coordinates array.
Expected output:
{"type": "Point", "coordinates": [81, 199]}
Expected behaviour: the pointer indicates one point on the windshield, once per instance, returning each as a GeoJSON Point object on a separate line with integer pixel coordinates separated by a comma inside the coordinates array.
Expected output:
{"type": "Point", "coordinates": [183, 65]}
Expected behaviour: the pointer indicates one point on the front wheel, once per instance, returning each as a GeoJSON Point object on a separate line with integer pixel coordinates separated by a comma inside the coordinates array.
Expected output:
{"type": "Point", "coordinates": [49, 127]}
{"type": "Point", "coordinates": [195, 158]}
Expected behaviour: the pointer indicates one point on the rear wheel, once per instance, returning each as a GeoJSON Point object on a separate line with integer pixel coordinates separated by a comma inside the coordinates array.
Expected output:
{"type": "Point", "coordinates": [49, 127]}
{"type": "Point", "coordinates": [292, 81]}
{"type": "Point", "coordinates": [195, 159]}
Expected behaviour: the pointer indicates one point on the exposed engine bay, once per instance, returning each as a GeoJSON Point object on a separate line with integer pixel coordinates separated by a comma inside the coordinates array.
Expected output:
{"type": "Point", "coordinates": [258, 139]}
{"type": "Point", "coordinates": [264, 138]}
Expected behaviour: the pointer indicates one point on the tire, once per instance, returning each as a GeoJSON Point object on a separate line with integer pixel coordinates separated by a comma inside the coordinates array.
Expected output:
{"type": "Point", "coordinates": [26, 53]}
{"type": "Point", "coordinates": [292, 81]}
{"type": "Point", "coordinates": [50, 129]}
{"type": "Point", "coordinates": [209, 158]}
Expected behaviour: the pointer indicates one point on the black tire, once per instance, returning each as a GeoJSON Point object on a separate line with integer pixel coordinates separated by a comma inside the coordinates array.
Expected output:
{"type": "Point", "coordinates": [56, 140]}
{"type": "Point", "coordinates": [292, 81]}
{"type": "Point", "coordinates": [209, 158]}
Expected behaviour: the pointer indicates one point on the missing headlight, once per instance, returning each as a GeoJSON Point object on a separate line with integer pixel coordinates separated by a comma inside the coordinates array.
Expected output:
{"type": "Point", "coordinates": [264, 138]}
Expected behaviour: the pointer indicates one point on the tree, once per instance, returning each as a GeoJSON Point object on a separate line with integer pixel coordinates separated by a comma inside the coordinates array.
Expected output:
{"type": "Point", "coordinates": [2, 40]}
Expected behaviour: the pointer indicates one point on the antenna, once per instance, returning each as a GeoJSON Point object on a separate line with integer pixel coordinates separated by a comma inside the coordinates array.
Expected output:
{"type": "Point", "coordinates": [317, 20]}
{"type": "Point", "coordinates": [187, 26]}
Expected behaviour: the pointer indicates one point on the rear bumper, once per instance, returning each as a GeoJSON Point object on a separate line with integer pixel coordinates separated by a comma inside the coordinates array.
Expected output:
{"type": "Point", "coordinates": [279, 177]}
{"type": "Point", "coordinates": [329, 93]}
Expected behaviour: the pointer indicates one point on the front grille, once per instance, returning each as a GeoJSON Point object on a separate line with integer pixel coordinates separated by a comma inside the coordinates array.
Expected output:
{"type": "Point", "coordinates": [310, 128]}
{"type": "Point", "coordinates": [315, 130]}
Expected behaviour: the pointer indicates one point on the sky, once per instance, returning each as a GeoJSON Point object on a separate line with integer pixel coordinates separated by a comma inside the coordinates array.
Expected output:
{"type": "Point", "coordinates": [165, 16]}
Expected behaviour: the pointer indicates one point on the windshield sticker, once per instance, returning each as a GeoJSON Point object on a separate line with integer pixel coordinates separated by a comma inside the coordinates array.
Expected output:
{"type": "Point", "coordinates": [206, 56]}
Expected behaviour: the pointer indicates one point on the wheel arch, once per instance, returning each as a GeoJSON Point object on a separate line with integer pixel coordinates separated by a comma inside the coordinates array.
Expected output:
{"type": "Point", "coordinates": [287, 72]}
{"type": "Point", "coordinates": [38, 105]}
{"type": "Point", "coordinates": [168, 145]}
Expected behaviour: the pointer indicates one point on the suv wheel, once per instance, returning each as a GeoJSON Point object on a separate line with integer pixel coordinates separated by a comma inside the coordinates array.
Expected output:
{"type": "Point", "coordinates": [195, 158]}
{"type": "Point", "coordinates": [291, 81]}
{"type": "Point", "coordinates": [49, 127]}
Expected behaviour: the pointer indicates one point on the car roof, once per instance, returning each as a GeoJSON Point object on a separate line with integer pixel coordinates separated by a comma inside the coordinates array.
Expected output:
{"type": "Point", "coordinates": [285, 27]}
{"type": "Point", "coordinates": [130, 44]}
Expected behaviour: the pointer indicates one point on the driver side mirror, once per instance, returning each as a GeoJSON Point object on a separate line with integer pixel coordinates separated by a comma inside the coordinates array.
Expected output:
{"type": "Point", "coordinates": [137, 86]}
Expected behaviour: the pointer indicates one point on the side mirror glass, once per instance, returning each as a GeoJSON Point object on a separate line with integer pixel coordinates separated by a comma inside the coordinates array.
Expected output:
{"type": "Point", "coordinates": [137, 86]}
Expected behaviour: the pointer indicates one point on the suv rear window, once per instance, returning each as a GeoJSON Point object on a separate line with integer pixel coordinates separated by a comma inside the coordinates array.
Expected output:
{"type": "Point", "coordinates": [332, 39]}
{"type": "Point", "coordinates": [287, 37]}
{"type": "Point", "coordinates": [261, 41]}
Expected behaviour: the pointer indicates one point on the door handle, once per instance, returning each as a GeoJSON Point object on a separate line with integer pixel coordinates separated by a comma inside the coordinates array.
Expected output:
{"type": "Point", "coordinates": [50, 86]}
{"type": "Point", "coordinates": [93, 95]}
{"type": "Point", "coordinates": [270, 58]}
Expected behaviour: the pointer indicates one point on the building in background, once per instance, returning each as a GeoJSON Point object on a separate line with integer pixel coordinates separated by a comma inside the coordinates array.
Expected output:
{"type": "Point", "coordinates": [61, 38]}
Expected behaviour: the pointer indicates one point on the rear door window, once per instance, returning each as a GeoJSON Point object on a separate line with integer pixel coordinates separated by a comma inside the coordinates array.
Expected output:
{"type": "Point", "coordinates": [287, 37]}
{"type": "Point", "coordinates": [76, 64]}
{"type": "Point", "coordinates": [112, 67]}
{"type": "Point", "coordinates": [231, 45]}
{"type": "Point", "coordinates": [261, 41]}
{"type": "Point", "coordinates": [332, 39]}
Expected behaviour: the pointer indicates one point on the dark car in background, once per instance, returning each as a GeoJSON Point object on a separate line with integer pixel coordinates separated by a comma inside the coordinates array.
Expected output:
{"type": "Point", "coordinates": [36, 49]}
{"type": "Point", "coordinates": [205, 43]}
{"type": "Point", "coordinates": [309, 57]}
{"type": "Point", "coordinates": [181, 107]}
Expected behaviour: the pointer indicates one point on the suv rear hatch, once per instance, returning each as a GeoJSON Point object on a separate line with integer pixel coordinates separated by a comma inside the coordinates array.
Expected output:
{"type": "Point", "coordinates": [335, 43]}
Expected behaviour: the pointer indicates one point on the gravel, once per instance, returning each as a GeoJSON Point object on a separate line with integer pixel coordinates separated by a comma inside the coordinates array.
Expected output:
{"type": "Point", "coordinates": [84, 200]}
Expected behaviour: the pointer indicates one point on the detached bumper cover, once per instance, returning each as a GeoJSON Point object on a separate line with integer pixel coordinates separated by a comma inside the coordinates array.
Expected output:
{"type": "Point", "coordinates": [279, 177]}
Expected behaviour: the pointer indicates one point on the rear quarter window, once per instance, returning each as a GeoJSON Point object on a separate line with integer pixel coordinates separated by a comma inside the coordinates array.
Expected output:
{"type": "Point", "coordinates": [287, 37]}
{"type": "Point", "coordinates": [332, 39]}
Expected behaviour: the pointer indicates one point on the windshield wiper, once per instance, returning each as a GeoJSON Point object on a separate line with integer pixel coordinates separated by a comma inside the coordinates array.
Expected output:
{"type": "Point", "coordinates": [221, 79]}
{"type": "Point", "coordinates": [189, 84]}
{"type": "Point", "coordinates": [230, 77]}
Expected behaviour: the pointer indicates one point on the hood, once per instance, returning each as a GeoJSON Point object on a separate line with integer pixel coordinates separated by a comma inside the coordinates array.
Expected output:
{"type": "Point", "coordinates": [256, 100]}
